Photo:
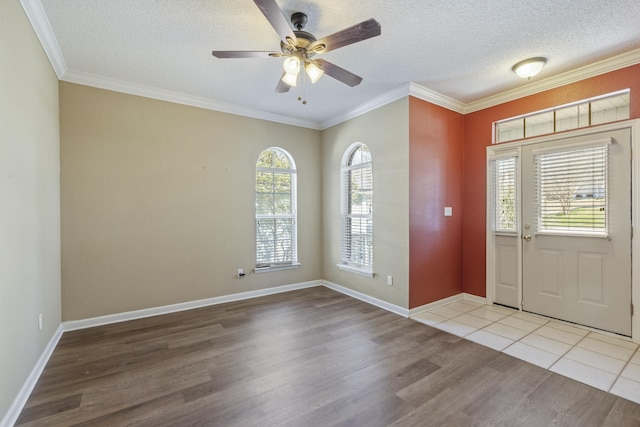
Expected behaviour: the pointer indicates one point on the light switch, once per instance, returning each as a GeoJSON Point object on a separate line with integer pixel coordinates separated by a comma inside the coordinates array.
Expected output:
{"type": "Point", "coordinates": [448, 211]}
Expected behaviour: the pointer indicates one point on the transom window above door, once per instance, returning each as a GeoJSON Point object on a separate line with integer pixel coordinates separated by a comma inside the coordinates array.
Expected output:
{"type": "Point", "coordinates": [607, 108]}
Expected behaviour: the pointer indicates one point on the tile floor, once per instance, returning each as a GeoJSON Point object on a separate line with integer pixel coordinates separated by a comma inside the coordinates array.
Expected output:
{"type": "Point", "coordinates": [602, 361]}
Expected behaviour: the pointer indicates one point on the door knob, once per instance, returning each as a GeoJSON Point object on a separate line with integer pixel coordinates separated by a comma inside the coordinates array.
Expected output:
{"type": "Point", "coordinates": [526, 237]}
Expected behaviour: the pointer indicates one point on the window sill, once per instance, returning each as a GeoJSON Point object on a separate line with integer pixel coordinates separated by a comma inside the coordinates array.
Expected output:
{"type": "Point", "coordinates": [276, 268]}
{"type": "Point", "coordinates": [357, 270]}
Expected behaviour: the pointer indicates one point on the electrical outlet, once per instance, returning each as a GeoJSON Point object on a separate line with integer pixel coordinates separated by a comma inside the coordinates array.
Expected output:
{"type": "Point", "coordinates": [390, 280]}
{"type": "Point", "coordinates": [240, 273]}
{"type": "Point", "coordinates": [40, 321]}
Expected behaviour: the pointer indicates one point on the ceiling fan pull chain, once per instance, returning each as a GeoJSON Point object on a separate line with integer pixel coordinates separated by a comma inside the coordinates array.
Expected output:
{"type": "Point", "coordinates": [303, 81]}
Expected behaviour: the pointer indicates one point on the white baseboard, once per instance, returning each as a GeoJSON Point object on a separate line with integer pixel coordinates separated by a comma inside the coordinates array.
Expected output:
{"type": "Point", "coordinates": [474, 298]}
{"type": "Point", "coordinates": [73, 325]}
{"type": "Point", "coordinates": [435, 304]}
{"type": "Point", "coordinates": [13, 413]}
{"type": "Point", "coordinates": [445, 301]}
{"type": "Point", "coordinates": [368, 298]}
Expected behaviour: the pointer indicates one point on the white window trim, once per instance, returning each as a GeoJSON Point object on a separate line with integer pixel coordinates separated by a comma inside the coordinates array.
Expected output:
{"type": "Point", "coordinates": [294, 214]}
{"type": "Point", "coordinates": [574, 146]}
{"type": "Point", "coordinates": [345, 170]}
{"type": "Point", "coordinates": [367, 272]}
{"type": "Point", "coordinates": [278, 267]}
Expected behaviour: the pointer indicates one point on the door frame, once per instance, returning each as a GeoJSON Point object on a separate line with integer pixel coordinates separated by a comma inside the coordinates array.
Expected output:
{"type": "Point", "coordinates": [499, 150]}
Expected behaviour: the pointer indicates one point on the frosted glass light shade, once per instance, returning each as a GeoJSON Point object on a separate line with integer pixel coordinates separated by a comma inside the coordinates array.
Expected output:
{"type": "Point", "coordinates": [291, 65]}
{"type": "Point", "coordinates": [529, 67]}
{"type": "Point", "coordinates": [313, 71]}
{"type": "Point", "coordinates": [291, 79]}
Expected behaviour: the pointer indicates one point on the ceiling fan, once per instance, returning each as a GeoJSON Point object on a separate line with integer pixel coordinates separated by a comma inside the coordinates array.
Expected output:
{"type": "Point", "coordinates": [299, 47]}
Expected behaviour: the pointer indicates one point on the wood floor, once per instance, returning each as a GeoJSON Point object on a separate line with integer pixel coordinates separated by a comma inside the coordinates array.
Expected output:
{"type": "Point", "coordinates": [312, 357]}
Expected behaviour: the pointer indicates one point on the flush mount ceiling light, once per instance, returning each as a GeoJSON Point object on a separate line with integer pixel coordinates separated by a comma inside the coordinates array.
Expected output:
{"type": "Point", "coordinates": [529, 67]}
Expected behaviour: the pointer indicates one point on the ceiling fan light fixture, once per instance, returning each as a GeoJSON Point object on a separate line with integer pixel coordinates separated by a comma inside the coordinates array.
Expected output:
{"type": "Point", "coordinates": [298, 46]}
{"type": "Point", "coordinates": [313, 71]}
{"type": "Point", "coordinates": [291, 79]}
{"type": "Point", "coordinates": [291, 65]}
{"type": "Point", "coordinates": [529, 67]}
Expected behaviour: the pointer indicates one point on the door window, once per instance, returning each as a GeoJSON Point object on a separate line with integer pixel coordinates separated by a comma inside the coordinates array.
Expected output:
{"type": "Point", "coordinates": [571, 190]}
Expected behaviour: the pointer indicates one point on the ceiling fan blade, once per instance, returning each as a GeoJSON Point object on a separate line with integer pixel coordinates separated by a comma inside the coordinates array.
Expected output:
{"type": "Point", "coordinates": [362, 31]}
{"type": "Point", "coordinates": [278, 21]}
{"type": "Point", "coordinates": [244, 54]}
{"type": "Point", "coordinates": [282, 87]}
{"type": "Point", "coordinates": [339, 73]}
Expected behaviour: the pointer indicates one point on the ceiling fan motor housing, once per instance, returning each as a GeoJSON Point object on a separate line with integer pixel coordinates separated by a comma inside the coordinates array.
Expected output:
{"type": "Point", "coordinates": [304, 38]}
{"type": "Point", "coordinates": [299, 20]}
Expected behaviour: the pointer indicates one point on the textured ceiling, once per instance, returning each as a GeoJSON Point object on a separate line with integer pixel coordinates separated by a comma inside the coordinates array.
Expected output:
{"type": "Point", "coordinates": [458, 48]}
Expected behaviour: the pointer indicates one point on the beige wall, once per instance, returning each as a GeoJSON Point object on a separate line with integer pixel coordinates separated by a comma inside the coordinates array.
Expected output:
{"type": "Point", "coordinates": [29, 201]}
{"type": "Point", "coordinates": [158, 202]}
{"type": "Point", "coordinates": [386, 132]}
{"type": "Point", "coordinates": [154, 201]}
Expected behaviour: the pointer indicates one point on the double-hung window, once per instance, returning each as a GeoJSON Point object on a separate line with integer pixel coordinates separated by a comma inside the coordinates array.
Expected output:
{"type": "Point", "coordinates": [357, 210]}
{"type": "Point", "coordinates": [276, 240]}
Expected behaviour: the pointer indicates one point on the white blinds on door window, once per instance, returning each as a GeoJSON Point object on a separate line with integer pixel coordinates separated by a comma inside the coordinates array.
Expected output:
{"type": "Point", "coordinates": [504, 195]}
{"type": "Point", "coordinates": [571, 190]}
{"type": "Point", "coordinates": [357, 206]}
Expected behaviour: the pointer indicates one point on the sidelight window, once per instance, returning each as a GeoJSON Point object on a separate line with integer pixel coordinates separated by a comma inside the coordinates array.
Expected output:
{"type": "Point", "coordinates": [504, 195]}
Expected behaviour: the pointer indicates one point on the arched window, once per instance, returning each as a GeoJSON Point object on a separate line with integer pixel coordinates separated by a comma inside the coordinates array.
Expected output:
{"type": "Point", "coordinates": [275, 209]}
{"type": "Point", "coordinates": [357, 209]}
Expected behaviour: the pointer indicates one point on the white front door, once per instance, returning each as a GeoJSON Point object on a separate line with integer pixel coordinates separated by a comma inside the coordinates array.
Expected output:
{"type": "Point", "coordinates": [576, 229]}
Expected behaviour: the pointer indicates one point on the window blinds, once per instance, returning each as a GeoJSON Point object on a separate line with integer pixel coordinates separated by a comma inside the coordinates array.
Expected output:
{"type": "Point", "coordinates": [571, 190]}
{"type": "Point", "coordinates": [357, 210]}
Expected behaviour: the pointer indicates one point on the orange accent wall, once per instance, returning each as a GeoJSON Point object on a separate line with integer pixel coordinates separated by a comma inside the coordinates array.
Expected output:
{"type": "Point", "coordinates": [435, 181]}
{"type": "Point", "coordinates": [477, 136]}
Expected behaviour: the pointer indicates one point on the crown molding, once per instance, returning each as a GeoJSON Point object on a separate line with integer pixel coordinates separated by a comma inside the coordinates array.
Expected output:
{"type": "Point", "coordinates": [373, 104]}
{"type": "Point", "coordinates": [411, 89]}
{"type": "Point", "coordinates": [601, 67]}
{"type": "Point", "coordinates": [180, 98]}
{"type": "Point", "coordinates": [35, 13]}
{"type": "Point", "coordinates": [38, 19]}
{"type": "Point", "coordinates": [436, 98]}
